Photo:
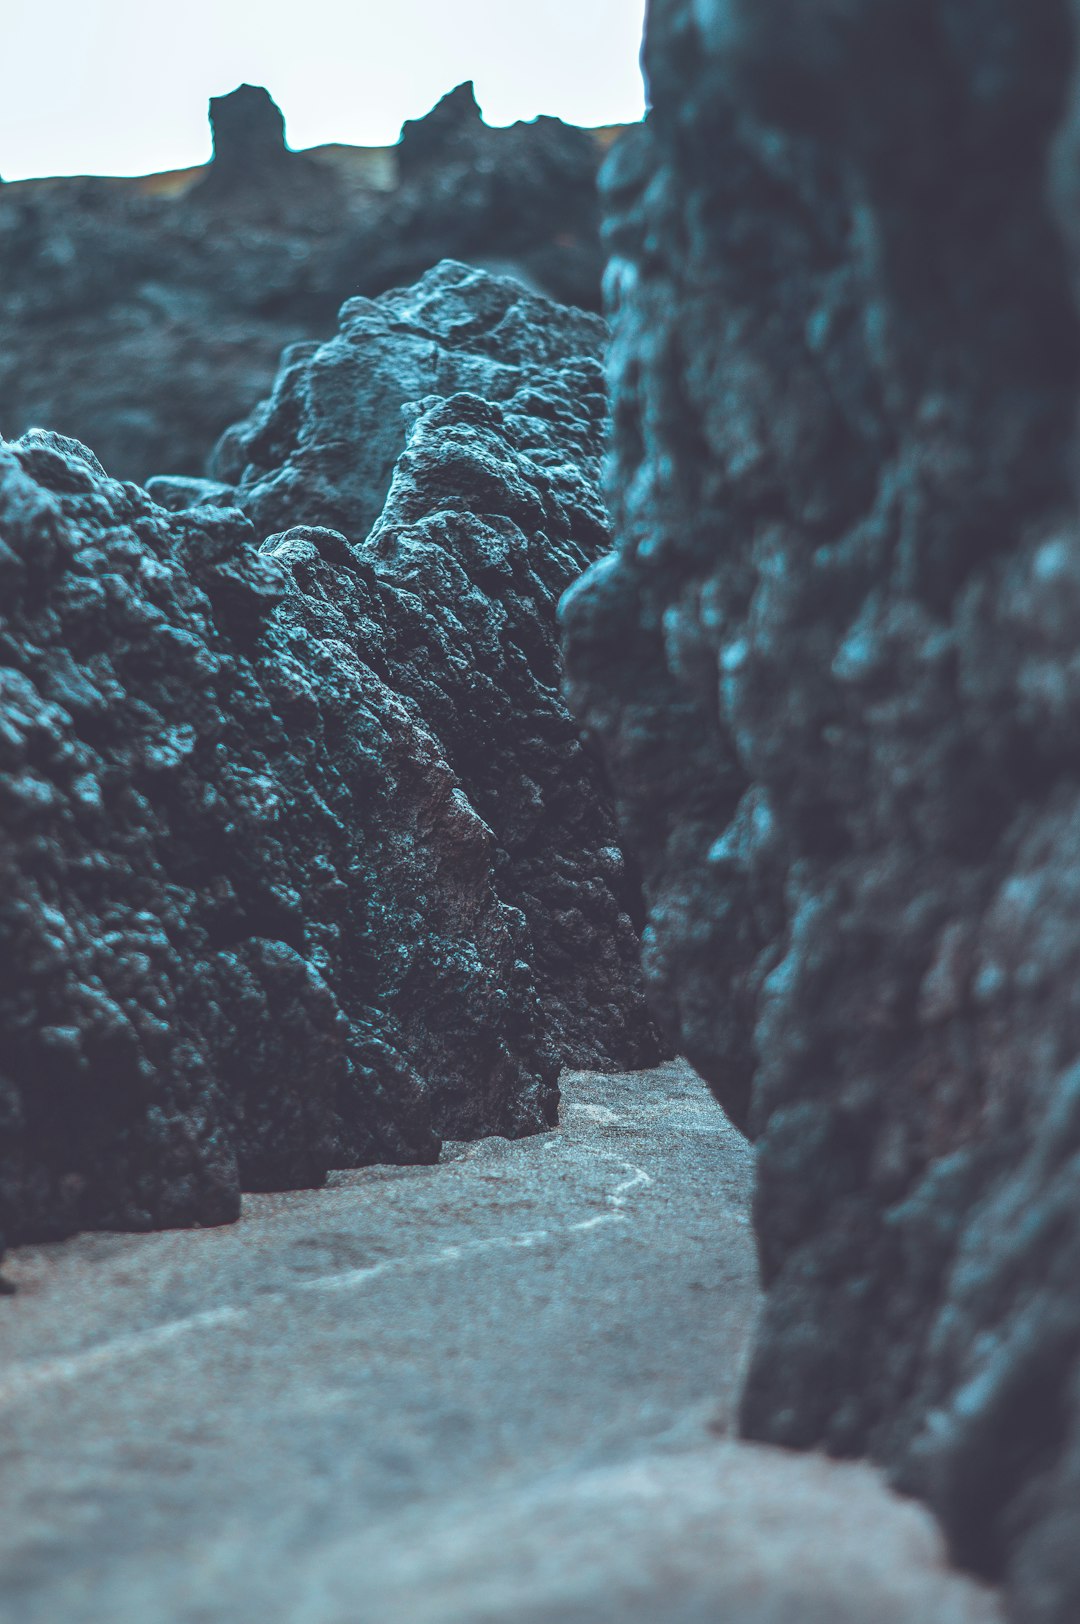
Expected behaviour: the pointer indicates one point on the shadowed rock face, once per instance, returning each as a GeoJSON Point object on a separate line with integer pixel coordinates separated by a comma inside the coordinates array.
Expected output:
{"type": "Point", "coordinates": [113, 286]}
{"type": "Point", "coordinates": [832, 672]}
{"type": "Point", "coordinates": [269, 900]}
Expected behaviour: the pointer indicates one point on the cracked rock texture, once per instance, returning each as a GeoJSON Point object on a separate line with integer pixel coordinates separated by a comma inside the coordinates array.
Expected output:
{"type": "Point", "coordinates": [202, 277]}
{"type": "Point", "coordinates": [302, 863]}
{"type": "Point", "coordinates": [832, 670]}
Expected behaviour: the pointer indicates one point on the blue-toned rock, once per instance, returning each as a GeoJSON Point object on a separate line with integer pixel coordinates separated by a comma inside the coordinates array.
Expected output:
{"type": "Point", "coordinates": [832, 672]}
{"type": "Point", "coordinates": [302, 862]}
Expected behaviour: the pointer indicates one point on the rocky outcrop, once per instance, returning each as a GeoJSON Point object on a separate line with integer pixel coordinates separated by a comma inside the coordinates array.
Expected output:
{"type": "Point", "coordinates": [488, 515]}
{"type": "Point", "coordinates": [302, 864]}
{"type": "Point", "coordinates": [201, 278]}
{"type": "Point", "coordinates": [832, 671]}
{"type": "Point", "coordinates": [521, 199]}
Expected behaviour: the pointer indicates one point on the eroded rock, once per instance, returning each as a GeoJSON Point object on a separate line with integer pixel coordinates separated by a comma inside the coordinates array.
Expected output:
{"type": "Point", "coordinates": [832, 672]}
{"type": "Point", "coordinates": [269, 900]}
{"type": "Point", "coordinates": [488, 514]}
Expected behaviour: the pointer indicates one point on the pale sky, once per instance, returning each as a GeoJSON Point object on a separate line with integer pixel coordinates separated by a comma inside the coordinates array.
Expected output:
{"type": "Point", "coordinates": [121, 86]}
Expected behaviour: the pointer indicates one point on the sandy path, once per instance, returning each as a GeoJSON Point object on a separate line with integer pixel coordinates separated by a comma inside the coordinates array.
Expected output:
{"type": "Point", "coordinates": [497, 1389]}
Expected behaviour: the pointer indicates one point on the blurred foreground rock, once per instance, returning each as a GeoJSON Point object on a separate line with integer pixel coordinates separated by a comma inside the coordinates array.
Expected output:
{"type": "Point", "coordinates": [833, 672]}
{"type": "Point", "coordinates": [302, 864]}
{"type": "Point", "coordinates": [143, 316]}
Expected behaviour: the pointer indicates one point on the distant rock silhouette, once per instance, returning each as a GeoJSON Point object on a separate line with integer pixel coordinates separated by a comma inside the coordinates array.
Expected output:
{"type": "Point", "coordinates": [454, 122]}
{"type": "Point", "coordinates": [112, 286]}
{"type": "Point", "coordinates": [248, 130]}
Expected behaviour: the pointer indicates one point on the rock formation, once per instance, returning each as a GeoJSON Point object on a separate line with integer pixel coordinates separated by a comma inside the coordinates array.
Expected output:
{"type": "Point", "coordinates": [249, 142]}
{"type": "Point", "coordinates": [832, 670]}
{"type": "Point", "coordinates": [521, 198]}
{"type": "Point", "coordinates": [302, 863]}
{"type": "Point", "coordinates": [144, 316]}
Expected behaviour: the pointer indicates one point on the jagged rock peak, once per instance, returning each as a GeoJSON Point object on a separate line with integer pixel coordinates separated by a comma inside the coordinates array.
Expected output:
{"type": "Point", "coordinates": [248, 128]}
{"type": "Point", "coordinates": [833, 671]}
{"type": "Point", "coordinates": [425, 140]}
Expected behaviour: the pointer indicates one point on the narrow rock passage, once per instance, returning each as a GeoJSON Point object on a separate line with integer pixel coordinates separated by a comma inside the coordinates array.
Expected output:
{"type": "Point", "coordinates": [497, 1388]}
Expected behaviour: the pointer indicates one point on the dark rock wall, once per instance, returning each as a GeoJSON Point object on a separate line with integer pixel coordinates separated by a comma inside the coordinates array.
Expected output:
{"type": "Point", "coordinates": [832, 674]}
{"type": "Point", "coordinates": [144, 316]}
{"type": "Point", "coordinates": [300, 856]}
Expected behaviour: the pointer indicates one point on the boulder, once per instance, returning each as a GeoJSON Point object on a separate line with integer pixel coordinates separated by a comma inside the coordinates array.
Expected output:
{"type": "Point", "coordinates": [270, 902]}
{"type": "Point", "coordinates": [832, 672]}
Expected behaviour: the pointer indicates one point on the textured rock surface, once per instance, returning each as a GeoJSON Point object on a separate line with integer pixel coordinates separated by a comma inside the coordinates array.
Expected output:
{"type": "Point", "coordinates": [473, 532]}
{"type": "Point", "coordinates": [269, 901]}
{"type": "Point", "coordinates": [201, 278]}
{"type": "Point", "coordinates": [833, 673]}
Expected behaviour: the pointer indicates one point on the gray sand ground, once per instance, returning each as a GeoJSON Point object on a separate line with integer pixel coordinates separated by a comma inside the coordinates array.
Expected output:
{"type": "Point", "coordinates": [497, 1389]}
